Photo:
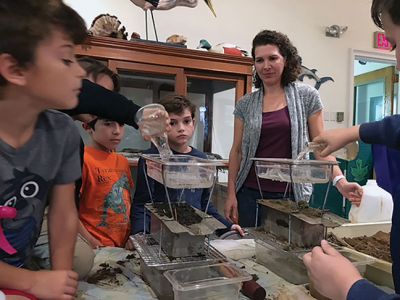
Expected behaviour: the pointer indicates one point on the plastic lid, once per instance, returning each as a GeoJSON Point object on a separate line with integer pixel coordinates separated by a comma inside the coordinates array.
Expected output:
{"type": "Point", "coordinates": [371, 182]}
{"type": "Point", "coordinates": [194, 278]}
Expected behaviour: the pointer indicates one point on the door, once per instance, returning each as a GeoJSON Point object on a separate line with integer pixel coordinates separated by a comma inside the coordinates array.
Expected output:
{"type": "Point", "coordinates": [375, 94]}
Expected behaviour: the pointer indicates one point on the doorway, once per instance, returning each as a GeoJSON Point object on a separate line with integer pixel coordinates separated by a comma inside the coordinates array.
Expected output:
{"type": "Point", "coordinates": [375, 89]}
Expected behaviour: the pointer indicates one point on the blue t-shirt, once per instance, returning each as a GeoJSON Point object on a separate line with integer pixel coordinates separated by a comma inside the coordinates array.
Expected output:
{"type": "Point", "coordinates": [27, 174]}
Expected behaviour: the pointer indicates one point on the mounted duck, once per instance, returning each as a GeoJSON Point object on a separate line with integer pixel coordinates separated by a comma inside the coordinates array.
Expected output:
{"type": "Point", "coordinates": [224, 48]}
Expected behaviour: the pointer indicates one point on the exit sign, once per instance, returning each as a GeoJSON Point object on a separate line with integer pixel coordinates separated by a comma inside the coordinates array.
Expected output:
{"type": "Point", "coordinates": [380, 41]}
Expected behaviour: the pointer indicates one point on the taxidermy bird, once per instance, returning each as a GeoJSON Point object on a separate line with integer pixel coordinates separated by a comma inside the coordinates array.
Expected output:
{"type": "Point", "coordinates": [108, 26]}
{"type": "Point", "coordinates": [176, 39]}
{"type": "Point", "coordinates": [311, 74]}
{"type": "Point", "coordinates": [224, 48]}
{"type": "Point", "coordinates": [169, 4]}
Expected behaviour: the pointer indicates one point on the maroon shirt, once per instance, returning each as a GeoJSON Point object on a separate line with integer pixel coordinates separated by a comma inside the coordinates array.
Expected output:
{"type": "Point", "coordinates": [275, 142]}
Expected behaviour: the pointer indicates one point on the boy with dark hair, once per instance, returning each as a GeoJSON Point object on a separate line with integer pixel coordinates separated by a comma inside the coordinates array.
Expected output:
{"type": "Point", "coordinates": [182, 120]}
{"type": "Point", "coordinates": [105, 79]}
{"type": "Point", "coordinates": [39, 156]}
{"type": "Point", "coordinates": [105, 198]}
{"type": "Point", "coordinates": [105, 202]}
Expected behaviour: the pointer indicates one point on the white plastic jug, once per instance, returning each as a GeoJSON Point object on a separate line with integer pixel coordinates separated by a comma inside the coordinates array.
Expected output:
{"type": "Point", "coordinates": [376, 205]}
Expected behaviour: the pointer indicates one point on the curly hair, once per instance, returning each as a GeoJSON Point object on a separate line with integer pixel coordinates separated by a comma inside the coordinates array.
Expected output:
{"type": "Point", "coordinates": [25, 23]}
{"type": "Point", "coordinates": [286, 49]}
{"type": "Point", "coordinates": [392, 7]}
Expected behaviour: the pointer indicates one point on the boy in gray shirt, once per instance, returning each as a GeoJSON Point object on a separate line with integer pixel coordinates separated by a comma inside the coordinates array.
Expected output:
{"type": "Point", "coordinates": [39, 159]}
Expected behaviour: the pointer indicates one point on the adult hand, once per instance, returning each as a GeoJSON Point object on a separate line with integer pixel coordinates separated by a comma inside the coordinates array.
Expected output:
{"type": "Point", "coordinates": [331, 273]}
{"type": "Point", "coordinates": [332, 140]}
{"type": "Point", "coordinates": [231, 211]}
{"type": "Point", "coordinates": [153, 122]}
{"type": "Point", "coordinates": [350, 190]}
{"type": "Point", "coordinates": [238, 228]}
{"type": "Point", "coordinates": [54, 284]}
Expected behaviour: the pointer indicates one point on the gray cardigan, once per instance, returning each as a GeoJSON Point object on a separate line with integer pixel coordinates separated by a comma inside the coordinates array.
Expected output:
{"type": "Point", "coordinates": [303, 101]}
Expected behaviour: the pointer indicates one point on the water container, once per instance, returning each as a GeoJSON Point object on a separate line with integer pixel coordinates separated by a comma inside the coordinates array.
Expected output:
{"type": "Point", "coordinates": [376, 205]}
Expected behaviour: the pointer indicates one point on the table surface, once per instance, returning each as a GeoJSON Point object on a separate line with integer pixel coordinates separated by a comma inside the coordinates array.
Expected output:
{"type": "Point", "coordinates": [276, 287]}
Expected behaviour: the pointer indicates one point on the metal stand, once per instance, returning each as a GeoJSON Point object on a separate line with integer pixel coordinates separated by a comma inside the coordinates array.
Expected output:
{"type": "Point", "coordinates": [154, 24]}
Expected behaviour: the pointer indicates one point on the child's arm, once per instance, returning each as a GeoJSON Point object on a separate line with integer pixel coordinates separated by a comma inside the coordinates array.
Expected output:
{"type": "Point", "coordinates": [95, 243]}
{"type": "Point", "coordinates": [41, 284]}
{"type": "Point", "coordinates": [63, 226]}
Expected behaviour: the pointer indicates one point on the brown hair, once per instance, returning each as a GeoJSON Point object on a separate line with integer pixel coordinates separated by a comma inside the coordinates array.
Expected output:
{"type": "Point", "coordinates": [96, 68]}
{"type": "Point", "coordinates": [392, 7]}
{"type": "Point", "coordinates": [25, 23]}
{"type": "Point", "coordinates": [176, 104]}
{"type": "Point", "coordinates": [286, 49]}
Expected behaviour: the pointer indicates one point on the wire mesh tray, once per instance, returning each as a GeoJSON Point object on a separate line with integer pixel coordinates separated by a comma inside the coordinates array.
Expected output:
{"type": "Point", "coordinates": [182, 171]}
{"type": "Point", "coordinates": [295, 171]}
{"type": "Point", "coordinates": [151, 253]}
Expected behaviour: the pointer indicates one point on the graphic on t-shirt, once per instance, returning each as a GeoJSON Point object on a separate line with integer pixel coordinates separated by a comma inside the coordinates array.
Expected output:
{"type": "Point", "coordinates": [26, 193]}
{"type": "Point", "coordinates": [115, 201]}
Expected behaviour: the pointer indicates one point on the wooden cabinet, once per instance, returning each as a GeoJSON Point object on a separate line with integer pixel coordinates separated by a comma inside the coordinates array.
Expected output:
{"type": "Point", "coordinates": [149, 71]}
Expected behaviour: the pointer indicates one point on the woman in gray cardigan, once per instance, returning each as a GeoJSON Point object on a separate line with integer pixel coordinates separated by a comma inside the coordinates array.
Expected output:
{"type": "Point", "coordinates": [274, 121]}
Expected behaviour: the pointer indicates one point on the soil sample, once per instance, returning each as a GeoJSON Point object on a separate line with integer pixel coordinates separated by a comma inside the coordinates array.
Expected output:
{"type": "Point", "coordinates": [106, 274]}
{"type": "Point", "coordinates": [300, 207]}
{"type": "Point", "coordinates": [182, 212]}
{"type": "Point", "coordinates": [377, 245]}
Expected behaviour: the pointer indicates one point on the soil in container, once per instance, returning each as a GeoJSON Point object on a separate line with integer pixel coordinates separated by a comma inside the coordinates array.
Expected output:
{"type": "Point", "coordinates": [291, 207]}
{"type": "Point", "coordinates": [183, 213]}
{"type": "Point", "coordinates": [377, 245]}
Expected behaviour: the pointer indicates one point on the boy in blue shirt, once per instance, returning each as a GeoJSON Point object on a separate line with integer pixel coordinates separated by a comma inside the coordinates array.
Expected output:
{"type": "Point", "coordinates": [181, 112]}
{"type": "Point", "coordinates": [39, 148]}
{"type": "Point", "coordinates": [333, 275]}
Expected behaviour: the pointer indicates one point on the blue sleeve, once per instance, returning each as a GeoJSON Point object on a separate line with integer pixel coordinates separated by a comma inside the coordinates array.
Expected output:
{"type": "Point", "coordinates": [212, 211]}
{"type": "Point", "coordinates": [364, 290]}
{"type": "Point", "coordinates": [141, 197]}
{"type": "Point", "coordinates": [385, 132]}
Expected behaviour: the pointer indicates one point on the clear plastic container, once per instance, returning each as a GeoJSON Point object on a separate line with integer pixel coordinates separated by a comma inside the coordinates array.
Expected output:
{"type": "Point", "coordinates": [182, 171]}
{"type": "Point", "coordinates": [358, 259]}
{"type": "Point", "coordinates": [213, 282]}
{"type": "Point", "coordinates": [296, 171]}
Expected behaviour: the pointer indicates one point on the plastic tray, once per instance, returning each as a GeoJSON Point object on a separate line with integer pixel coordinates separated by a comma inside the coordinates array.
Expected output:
{"type": "Point", "coordinates": [219, 281]}
{"type": "Point", "coordinates": [296, 171]}
{"type": "Point", "coordinates": [182, 171]}
{"type": "Point", "coordinates": [358, 259]}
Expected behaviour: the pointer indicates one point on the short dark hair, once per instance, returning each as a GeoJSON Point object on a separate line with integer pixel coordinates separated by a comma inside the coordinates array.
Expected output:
{"type": "Point", "coordinates": [392, 7]}
{"type": "Point", "coordinates": [96, 68]}
{"type": "Point", "coordinates": [25, 23]}
{"type": "Point", "coordinates": [286, 49]}
{"type": "Point", "coordinates": [176, 104]}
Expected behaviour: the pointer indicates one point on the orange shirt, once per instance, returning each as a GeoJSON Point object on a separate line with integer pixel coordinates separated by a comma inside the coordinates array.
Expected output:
{"type": "Point", "coordinates": [105, 204]}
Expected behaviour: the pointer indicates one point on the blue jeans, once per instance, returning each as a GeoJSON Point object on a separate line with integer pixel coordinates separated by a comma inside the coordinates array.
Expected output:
{"type": "Point", "coordinates": [247, 205]}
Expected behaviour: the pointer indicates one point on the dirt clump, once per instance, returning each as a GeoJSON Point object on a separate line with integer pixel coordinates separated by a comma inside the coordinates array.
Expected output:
{"type": "Point", "coordinates": [182, 212]}
{"type": "Point", "coordinates": [377, 245]}
{"type": "Point", "coordinates": [106, 275]}
{"type": "Point", "coordinates": [292, 207]}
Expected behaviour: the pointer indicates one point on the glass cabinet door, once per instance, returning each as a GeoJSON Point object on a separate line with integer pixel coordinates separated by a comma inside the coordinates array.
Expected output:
{"type": "Point", "coordinates": [215, 100]}
{"type": "Point", "coordinates": [143, 84]}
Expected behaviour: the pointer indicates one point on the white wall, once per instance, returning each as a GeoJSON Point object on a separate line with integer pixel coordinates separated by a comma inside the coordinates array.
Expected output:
{"type": "Point", "coordinates": [237, 21]}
